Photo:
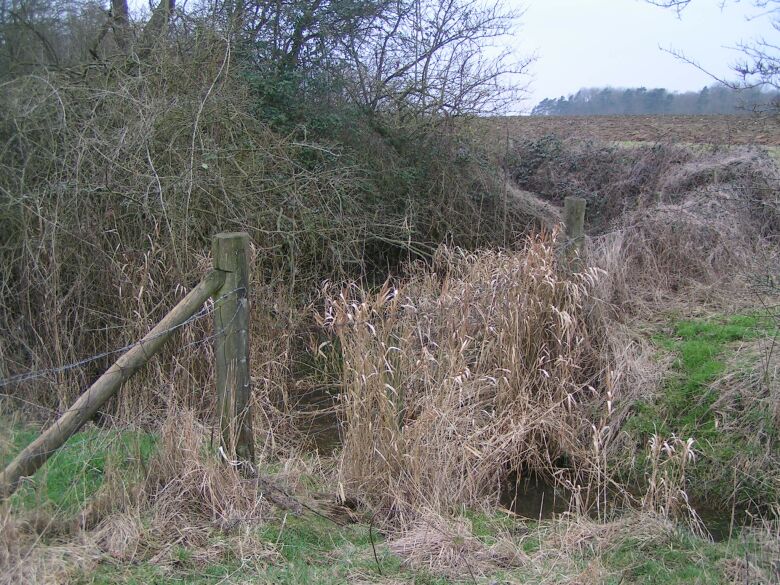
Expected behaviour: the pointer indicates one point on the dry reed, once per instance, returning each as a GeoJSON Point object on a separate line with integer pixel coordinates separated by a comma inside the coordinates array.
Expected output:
{"type": "Point", "coordinates": [485, 364]}
{"type": "Point", "coordinates": [448, 547]}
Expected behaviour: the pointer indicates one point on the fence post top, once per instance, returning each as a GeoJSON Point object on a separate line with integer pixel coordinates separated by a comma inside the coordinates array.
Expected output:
{"type": "Point", "coordinates": [231, 236]}
{"type": "Point", "coordinates": [230, 252]}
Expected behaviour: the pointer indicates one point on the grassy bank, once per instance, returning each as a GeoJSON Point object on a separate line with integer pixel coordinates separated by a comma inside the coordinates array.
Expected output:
{"type": "Point", "coordinates": [304, 552]}
{"type": "Point", "coordinates": [473, 546]}
{"type": "Point", "coordinates": [133, 507]}
{"type": "Point", "coordinates": [74, 475]}
{"type": "Point", "coordinates": [720, 392]}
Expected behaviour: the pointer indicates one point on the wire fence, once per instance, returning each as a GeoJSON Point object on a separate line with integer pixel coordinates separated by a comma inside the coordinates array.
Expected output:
{"type": "Point", "coordinates": [207, 310]}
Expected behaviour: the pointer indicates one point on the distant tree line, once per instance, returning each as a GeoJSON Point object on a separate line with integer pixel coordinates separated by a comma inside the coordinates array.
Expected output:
{"type": "Point", "coordinates": [716, 99]}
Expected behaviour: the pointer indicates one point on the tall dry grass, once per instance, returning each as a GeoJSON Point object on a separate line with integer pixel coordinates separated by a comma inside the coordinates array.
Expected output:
{"type": "Point", "coordinates": [669, 254]}
{"type": "Point", "coordinates": [485, 364]}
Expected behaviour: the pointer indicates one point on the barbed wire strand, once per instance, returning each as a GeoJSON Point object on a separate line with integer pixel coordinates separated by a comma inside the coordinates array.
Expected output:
{"type": "Point", "coordinates": [204, 312]}
{"type": "Point", "coordinates": [222, 330]}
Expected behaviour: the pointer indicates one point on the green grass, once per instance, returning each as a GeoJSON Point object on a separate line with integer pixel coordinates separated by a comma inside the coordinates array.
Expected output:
{"type": "Point", "coordinates": [318, 551]}
{"type": "Point", "coordinates": [488, 527]}
{"type": "Point", "coordinates": [632, 555]}
{"type": "Point", "coordinates": [702, 350]}
{"type": "Point", "coordinates": [774, 152]}
{"type": "Point", "coordinates": [76, 472]}
{"type": "Point", "coordinates": [311, 550]}
{"type": "Point", "coordinates": [682, 559]}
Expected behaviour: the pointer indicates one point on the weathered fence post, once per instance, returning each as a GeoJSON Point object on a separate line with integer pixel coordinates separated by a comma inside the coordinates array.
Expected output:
{"type": "Point", "coordinates": [574, 220]}
{"type": "Point", "coordinates": [231, 347]}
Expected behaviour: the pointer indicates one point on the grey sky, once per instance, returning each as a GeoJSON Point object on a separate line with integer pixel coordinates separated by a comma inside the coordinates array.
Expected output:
{"type": "Point", "coordinates": [594, 43]}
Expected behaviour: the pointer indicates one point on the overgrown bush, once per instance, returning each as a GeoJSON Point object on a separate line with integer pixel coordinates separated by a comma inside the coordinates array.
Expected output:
{"type": "Point", "coordinates": [115, 178]}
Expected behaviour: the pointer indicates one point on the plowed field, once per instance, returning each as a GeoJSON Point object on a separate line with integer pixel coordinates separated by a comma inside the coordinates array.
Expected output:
{"type": "Point", "coordinates": [747, 129]}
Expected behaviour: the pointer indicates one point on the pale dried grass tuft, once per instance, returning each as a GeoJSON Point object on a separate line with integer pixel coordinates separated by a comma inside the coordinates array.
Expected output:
{"type": "Point", "coordinates": [585, 535]}
{"type": "Point", "coordinates": [752, 377]}
{"type": "Point", "coordinates": [120, 535]}
{"type": "Point", "coordinates": [561, 546]}
{"type": "Point", "coordinates": [747, 408]}
{"type": "Point", "coordinates": [446, 546]}
{"type": "Point", "coordinates": [187, 486]}
{"type": "Point", "coordinates": [741, 571]}
{"type": "Point", "coordinates": [760, 562]}
{"type": "Point", "coordinates": [23, 559]}
{"type": "Point", "coordinates": [661, 254]}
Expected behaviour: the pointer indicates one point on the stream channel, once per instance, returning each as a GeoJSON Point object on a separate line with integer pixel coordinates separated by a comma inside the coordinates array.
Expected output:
{"type": "Point", "coordinates": [532, 496]}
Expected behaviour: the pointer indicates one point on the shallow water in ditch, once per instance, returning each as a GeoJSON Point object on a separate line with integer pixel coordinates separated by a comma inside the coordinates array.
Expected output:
{"type": "Point", "coordinates": [534, 498]}
{"type": "Point", "coordinates": [531, 497]}
{"type": "Point", "coordinates": [321, 426]}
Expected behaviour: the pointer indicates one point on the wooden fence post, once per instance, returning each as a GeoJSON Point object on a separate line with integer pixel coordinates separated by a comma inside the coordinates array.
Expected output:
{"type": "Point", "coordinates": [231, 347]}
{"type": "Point", "coordinates": [574, 220]}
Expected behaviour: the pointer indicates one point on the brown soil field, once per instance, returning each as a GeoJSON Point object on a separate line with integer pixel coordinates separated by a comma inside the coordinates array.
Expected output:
{"type": "Point", "coordinates": [745, 129]}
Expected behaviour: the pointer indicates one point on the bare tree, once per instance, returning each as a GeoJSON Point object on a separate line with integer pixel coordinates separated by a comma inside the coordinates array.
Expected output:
{"type": "Point", "coordinates": [759, 64]}
{"type": "Point", "coordinates": [120, 22]}
{"type": "Point", "coordinates": [44, 33]}
{"type": "Point", "coordinates": [413, 57]}
{"type": "Point", "coordinates": [56, 34]}
{"type": "Point", "coordinates": [157, 26]}
{"type": "Point", "coordinates": [419, 56]}
{"type": "Point", "coordinates": [431, 57]}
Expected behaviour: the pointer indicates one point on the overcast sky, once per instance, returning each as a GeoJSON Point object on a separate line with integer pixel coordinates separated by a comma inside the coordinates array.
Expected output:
{"type": "Point", "coordinates": [595, 43]}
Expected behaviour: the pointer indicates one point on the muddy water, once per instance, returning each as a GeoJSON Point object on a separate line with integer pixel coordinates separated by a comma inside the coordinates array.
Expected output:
{"type": "Point", "coordinates": [320, 423]}
{"type": "Point", "coordinates": [534, 498]}
{"type": "Point", "coordinates": [530, 497]}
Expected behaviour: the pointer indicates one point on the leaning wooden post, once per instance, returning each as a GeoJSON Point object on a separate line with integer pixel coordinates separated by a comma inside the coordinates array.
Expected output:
{"type": "Point", "coordinates": [574, 220]}
{"type": "Point", "coordinates": [231, 348]}
{"type": "Point", "coordinates": [36, 453]}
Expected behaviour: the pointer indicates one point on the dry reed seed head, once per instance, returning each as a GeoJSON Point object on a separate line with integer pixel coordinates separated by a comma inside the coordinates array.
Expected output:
{"type": "Point", "coordinates": [120, 535]}
{"type": "Point", "coordinates": [666, 493]}
{"type": "Point", "coordinates": [496, 363]}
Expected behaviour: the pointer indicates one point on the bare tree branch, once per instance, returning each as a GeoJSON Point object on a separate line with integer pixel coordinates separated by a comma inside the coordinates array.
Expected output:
{"type": "Point", "coordinates": [759, 65]}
